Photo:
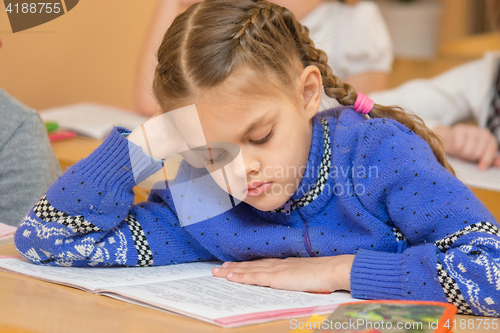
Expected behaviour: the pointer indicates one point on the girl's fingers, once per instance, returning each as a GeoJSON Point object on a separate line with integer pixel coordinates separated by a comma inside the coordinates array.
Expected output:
{"type": "Point", "coordinates": [248, 268]}
{"type": "Point", "coordinates": [263, 279]}
{"type": "Point", "coordinates": [220, 272]}
{"type": "Point", "coordinates": [269, 265]}
{"type": "Point", "coordinates": [267, 262]}
{"type": "Point", "coordinates": [301, 274]}
{"type": "Point", "coordinates": [225, 272]}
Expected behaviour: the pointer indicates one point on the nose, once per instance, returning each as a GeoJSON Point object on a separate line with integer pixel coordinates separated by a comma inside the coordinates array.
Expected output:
{"type": "Point", "coordinates": [252, 167]}
{"type": "Point", "coordinates": [245, 164]}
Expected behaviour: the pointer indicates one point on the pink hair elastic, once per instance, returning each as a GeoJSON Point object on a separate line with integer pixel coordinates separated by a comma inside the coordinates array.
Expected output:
{"type": "Point", "coordinates": [364, 104]}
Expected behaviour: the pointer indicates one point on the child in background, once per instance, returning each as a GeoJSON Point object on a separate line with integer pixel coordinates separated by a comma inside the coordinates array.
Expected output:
{"type": "Point", "coordinates": [27, 163]}
{"type": "Point", "coordinates": [352, 33]}
{"type": "Point", "coordinates": [374, 209]}
{"type": "Point", "coordinates": [468, 91]}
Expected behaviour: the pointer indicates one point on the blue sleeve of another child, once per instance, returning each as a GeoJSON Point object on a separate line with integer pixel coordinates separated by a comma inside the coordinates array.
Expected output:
{"type": "Point", "coordinates": [87, 217]}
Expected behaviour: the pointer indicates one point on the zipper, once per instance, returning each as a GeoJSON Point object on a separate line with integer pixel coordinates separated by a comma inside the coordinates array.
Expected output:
{"type": "Point", "coordinates": [307, 241]}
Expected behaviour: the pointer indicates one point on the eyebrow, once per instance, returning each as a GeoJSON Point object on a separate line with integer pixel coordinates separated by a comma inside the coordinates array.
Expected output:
{"type": "Point", "coordinates": [247, 131]}
{"type": "Point", "coordinates": [255, 124]}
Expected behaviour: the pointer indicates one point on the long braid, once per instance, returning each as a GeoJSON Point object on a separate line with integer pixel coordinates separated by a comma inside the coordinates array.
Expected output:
{"type": "Point", "coordinates": [264, 29]}
{"type": "Point", "coordinates": [417, 125]}
{"type": "Point", "coordinates": [345, 94]}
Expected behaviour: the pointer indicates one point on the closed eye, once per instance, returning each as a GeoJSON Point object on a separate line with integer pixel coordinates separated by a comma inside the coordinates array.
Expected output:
{"type": "Point", "coordinates": [263, 140]}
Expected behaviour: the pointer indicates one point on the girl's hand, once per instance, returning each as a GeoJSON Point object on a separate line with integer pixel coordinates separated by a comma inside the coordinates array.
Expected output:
{"type": "Point", "coordinates": [470, 143]}
{"type": "Point", "coordinates": [317, 274]}
{"type": "Point", "coordinates": [165, 134]}
{"type": "Point", "coordinates": [158, 137]}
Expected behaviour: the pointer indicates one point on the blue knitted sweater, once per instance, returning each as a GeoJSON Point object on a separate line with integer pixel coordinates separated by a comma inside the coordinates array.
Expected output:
{"type": "Point", "coordinates": [372, 188]}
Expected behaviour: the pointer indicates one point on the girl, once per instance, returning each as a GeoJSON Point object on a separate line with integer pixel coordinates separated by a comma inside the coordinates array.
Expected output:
{"type": "Point", "coordinates": [375, 208]}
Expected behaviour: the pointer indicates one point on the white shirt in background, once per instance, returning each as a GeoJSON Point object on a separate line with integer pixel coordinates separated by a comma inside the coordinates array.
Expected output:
{"type": "Point", "coordinates": [461, 93]}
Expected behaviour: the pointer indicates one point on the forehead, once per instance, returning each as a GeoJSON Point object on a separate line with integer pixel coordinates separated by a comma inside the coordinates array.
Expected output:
{"type": "Point", "coordinates": [246, 96]}
{"type": "Point", "coordinates": [240, 100]}
{"type": "Point", "coordinates": [229, 120]}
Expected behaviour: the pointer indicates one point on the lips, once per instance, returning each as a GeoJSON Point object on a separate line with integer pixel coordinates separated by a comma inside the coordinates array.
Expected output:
{"type": "Point", "coordinates": [254, 184]}
{"type": "Point", "coordinates": [256, 188]}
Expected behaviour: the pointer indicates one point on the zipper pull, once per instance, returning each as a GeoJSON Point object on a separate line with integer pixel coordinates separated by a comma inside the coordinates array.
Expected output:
{"type": "Point", "coordinates": [287, 207]}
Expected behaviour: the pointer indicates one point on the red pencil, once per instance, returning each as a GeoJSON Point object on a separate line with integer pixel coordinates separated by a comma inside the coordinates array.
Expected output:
{"type": "Point", "coordinates": [61, 135]}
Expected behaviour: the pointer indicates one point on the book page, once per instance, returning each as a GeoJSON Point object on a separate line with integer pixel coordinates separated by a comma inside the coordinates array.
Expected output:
{"type": "Point", "coordinates": [6, 234]}
{"type": "Point", "coordinates": [94, 278]}
{"type": "Point", "coordinates": [6, 230]}
{"type": "Point", "coordinates": [6, 240]}
{"type": "Point", "coordinates": [470, 175]}
{"type": "Point", "coordinates": [92, 120]}
{"type": "Point", "coordinates": [218, 300]}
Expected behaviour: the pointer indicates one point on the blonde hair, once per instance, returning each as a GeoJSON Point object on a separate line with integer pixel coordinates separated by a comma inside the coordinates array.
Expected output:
{"type": "Point", "coordinates": [214, 38]}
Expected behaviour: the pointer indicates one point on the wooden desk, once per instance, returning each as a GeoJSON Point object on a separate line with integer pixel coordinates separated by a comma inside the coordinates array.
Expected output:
{"type": "Point", "coordinates": [473, 46]}
{"type": "Point", "coordinates": [451, 54]}
{"type": "Point", "coordinates": [404, 70]}
{"type": "Point", "coordinates": [70, 151]}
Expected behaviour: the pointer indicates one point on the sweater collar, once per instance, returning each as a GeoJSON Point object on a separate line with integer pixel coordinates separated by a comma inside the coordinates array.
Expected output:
{"type": "Point", "coordinates": [317, 169]}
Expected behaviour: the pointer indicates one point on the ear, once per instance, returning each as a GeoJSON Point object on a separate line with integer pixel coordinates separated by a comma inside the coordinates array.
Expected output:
{"type": "Point", "coordinates": [311, 87]}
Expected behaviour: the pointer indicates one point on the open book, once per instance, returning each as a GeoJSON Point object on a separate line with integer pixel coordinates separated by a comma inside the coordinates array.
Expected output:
{"type": "Point", "coordinates": [470, 175]}
{"type": "Point", "coordinates": [186, 289]}
{"type": "Point", "coordinates": [92, 120]}
{"type": "Point", "coordinates": [6, 234]}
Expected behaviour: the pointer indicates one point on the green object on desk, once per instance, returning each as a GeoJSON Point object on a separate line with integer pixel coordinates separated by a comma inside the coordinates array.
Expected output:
{"type": "Point", "coordinates": [51, 126]}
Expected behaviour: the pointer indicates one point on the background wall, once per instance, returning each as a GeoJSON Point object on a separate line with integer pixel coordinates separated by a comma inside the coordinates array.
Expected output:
{"type": "Point", "coordinates": [88, 54]}
{"type": "Point", "coordinates": [91, 53]}
{"type": "Point", "coordinates": [456, 21]}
